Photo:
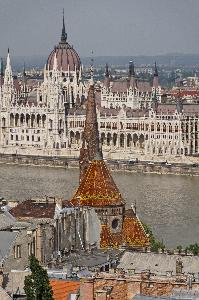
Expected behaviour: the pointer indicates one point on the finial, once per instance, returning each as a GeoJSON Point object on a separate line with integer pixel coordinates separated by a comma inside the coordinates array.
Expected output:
{"type": "Point", "coordinates": [64, 34]}
{"type": "Point", "coordinates": [8, 50]}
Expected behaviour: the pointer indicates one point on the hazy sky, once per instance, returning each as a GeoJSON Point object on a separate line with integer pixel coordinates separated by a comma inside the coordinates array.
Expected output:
{"type": "Point", "coordinates": [108, 27]}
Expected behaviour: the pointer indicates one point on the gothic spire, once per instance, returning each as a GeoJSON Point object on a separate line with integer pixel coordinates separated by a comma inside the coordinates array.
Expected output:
{"type": "Point", "coordinates": [24, 70]}
{"type": "Point", "coordinates": [107, 76]}
{"type": "Point", "coordinates": [64, 34]}
{"type": "Point", "coordinates": [155, 70]}
{"type": "Point", "coordinates": [107, 71]}
{"type": "Point", "coordinates": [132, 79]}
{"type": "Point", "coordinates": [2, 69]}
{"type": "Point", "coordinates": [131, 69]}
{"type": "Point", "coordinates": [90, 139]}
{"type": "Point", "coordinates": [155, 77]}
{"type": "Point", "coordinates": [8, 65]}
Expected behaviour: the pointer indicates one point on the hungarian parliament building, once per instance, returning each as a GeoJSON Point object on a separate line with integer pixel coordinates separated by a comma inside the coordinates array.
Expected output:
{"type": "Point", "coordinates": [48, 119]}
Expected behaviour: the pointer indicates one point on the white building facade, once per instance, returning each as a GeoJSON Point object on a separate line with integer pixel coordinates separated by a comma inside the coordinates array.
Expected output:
{"type": "Point", "coordinates": [49, 119]}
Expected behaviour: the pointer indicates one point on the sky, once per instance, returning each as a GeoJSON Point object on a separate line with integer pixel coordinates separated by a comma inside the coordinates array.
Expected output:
{"type": "Point", "coordinates": [106, 27]}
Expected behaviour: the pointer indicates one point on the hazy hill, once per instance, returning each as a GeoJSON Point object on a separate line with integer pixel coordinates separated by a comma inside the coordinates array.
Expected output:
{"type": "Point", "coordinates": [172, 60]}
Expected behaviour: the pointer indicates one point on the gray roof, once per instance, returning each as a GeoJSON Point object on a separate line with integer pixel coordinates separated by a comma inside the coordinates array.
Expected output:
{"type": "Point", "coordinates": [94, 259]}
{"type": "Point", "coordinates": [159, 264]}
{"type": "Point", "coordinates": [15, 284]}
{"type": "Point", "coordinates": [6, 221]}
{"type": "Point", "coordinates": [4, 295]}
{"type": "Point", "coordinates": [7, 238]}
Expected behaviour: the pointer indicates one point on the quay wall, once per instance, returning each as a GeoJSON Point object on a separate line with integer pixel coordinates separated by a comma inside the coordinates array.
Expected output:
{"type": "Point", "coordinates": [68, 162]}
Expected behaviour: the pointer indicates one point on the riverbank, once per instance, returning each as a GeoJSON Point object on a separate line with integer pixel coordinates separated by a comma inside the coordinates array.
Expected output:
{"type": "Point", "coordinates": [114, 165]}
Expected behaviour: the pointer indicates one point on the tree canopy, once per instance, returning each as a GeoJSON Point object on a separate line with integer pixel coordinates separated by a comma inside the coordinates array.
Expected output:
{"type": "Point", "coordinates": [36, 285]}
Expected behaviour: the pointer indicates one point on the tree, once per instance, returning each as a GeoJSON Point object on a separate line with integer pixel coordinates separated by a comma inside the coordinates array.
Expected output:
{"type": "Point", "coordinates": [155, 244]}
{"type": "Point", "coordinates": [36, 285]}
{"type": "Point", "coordinates": [193, 248]}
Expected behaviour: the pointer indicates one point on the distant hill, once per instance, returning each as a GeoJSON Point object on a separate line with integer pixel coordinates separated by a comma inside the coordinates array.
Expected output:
{"type": "Point", "coordinates": [172, 60]}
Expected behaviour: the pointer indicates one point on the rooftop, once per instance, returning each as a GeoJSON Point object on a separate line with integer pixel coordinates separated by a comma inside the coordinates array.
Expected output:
{"type": "Point", "coordinates": [159, 264]}
{"type": "Point", "coordinates": [30, 209]}
{"type": "Point", "coordinates": [62, 289]}
{"type": "Point", "coordinates": [97, 187]}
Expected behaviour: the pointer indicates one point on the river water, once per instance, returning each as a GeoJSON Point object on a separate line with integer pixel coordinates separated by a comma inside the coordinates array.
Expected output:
{"type": "Point", "coordinates": [168, 203]}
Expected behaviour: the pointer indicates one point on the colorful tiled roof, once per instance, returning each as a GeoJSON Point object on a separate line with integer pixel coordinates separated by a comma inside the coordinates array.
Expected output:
{"type": "Point", "coordinates": [62, 289]}
{"type": "Point", "coordinates": [132, 234]}
{"type": "Point", "coordinates": [97, 187]}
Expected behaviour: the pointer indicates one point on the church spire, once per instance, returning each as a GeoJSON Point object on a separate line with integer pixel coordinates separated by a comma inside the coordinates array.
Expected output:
{"type": "Point", "coordinates": [90, 139]}
{"type": "Point", "coordinates": [64, 34]}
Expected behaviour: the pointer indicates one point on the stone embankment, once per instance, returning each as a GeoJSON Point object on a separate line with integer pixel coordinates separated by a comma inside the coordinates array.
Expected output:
{"type": "Point", "coordinates": [114, 165]}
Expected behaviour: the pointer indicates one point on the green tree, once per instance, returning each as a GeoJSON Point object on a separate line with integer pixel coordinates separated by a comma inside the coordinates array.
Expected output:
{"type": "Point", "coordinates": [194, 248]}
{"type": "Point", "coordinates": [155, 244]}
{"type": "Point", "coordinates": [36, 285]}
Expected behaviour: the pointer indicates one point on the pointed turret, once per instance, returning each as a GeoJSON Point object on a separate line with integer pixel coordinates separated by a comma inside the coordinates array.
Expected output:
{"type": "Point", "coordinates": [2, 68]}
{"type": "Point", "coordinates": [132, 79]}
{"type": "Point", "coordinates": [55, 62]}
{"type": "Point", "coordinates": [155, 77]}
{"type": "Point", "coordinates": [8, 71]}
{"type": "Point", "coordinates": [8, 64]}
{"type": "Point", "coordinates": [90, 138]}
{"type": "Point", "coordinates": [24, 70]}
{"type": "Point", "coordinates": [63, 34]}
{"type": "Point", "coordinates": [131, 69]}
{"type": "Point", "coordinates": [107, 77]}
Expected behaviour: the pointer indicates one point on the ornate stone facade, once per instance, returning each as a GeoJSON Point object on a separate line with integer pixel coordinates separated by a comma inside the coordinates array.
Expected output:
{"type": "Point", "coordinates": [48, 119]}
{"type": "Point", "coordinates": [36, 120]}
{"type": "Point", "coordinates": [130, 92]}
{"type": "Point", "coordinates": [127, 133]}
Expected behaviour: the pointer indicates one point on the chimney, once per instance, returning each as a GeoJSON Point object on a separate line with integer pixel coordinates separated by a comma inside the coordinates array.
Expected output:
{"type": "Point", "coordinates": [87, 289]}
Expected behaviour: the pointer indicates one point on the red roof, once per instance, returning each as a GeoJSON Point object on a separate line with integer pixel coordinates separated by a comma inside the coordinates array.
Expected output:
{"type": "Point", "coordinates": [97, 187]}
{"type": "Point", "coordinates": [62, 289]}
{"type": "Point", "coordinates": [30, 209]}
{"type": "Point", "coordinates": [66, 57]}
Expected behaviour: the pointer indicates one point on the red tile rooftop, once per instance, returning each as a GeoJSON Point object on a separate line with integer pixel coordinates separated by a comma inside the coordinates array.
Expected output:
{"type": "Point", "coordinates": [62, 289]}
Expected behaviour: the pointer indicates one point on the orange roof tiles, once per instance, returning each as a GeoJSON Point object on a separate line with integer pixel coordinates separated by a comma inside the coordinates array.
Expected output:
{"type": "Point", "coordinates": [97, 188]}
{"type": "Point", "coordinates": [132, 234]}
{"type": "Point", "coordinates": [62, 289]}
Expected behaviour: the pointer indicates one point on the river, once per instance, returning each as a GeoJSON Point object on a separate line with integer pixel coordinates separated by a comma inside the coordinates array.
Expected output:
{"type": "Point", "coordinates": [168, 203]}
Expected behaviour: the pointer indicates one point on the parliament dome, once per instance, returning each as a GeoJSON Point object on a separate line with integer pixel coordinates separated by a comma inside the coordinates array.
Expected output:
{"type": "Point", "coordinates": [67, 57]}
